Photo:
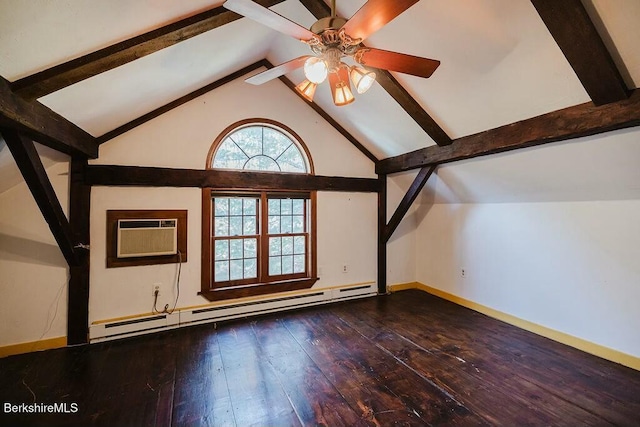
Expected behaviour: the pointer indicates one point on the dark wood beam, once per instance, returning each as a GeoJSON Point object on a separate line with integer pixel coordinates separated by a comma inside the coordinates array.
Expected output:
{"type": "Point", "coordinates": [26, 157]}
{"type": "Point", "coordinates": [327, 118]}
{"type": "Point", "coordinates": [320, 9]}
{"type": "Point", "coordinates": [408, 199]}
{"type": "Point", "coordinates": [572, 122]}
{"type": "Point", "coordinates": [382, 243]}
{"type": "Point", "coordinates": [41, 124]}
{"type": "Point", "coordinates": [166, 177]}
{"type": "Point", "coordinates": [178, 102]}
{"type": "Point", "coordinates": [76, 70]}
{"type": "Point", "coordinates": [577, 37]}
{"type": "Point", "coordinates": [79, 217]}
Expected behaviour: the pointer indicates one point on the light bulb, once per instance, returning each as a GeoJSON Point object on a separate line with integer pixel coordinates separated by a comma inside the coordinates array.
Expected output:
{"type": "Point", "coordinates": [315, 70]}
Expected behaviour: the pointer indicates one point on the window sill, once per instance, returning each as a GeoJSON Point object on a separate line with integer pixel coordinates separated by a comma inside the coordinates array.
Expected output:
{"type": "Point", "coordinates": [259, 289]}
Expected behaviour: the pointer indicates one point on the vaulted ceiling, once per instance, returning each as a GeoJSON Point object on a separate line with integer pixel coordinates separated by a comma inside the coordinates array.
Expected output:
{"type": "Point", "coordinates": [108, 65]}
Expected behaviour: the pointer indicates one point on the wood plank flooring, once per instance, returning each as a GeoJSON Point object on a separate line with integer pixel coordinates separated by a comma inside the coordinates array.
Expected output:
{"type": "Point", "coordinates": [405, 359]}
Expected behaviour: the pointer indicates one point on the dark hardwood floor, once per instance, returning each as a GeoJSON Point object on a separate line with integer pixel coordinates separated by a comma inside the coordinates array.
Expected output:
{"type": "Point", "coordinates": [405, 359]}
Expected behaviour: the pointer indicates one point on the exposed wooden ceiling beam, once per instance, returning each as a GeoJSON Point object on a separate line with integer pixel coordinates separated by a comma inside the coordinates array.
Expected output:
{"type": "Point", "coordinates": [572, 122]}
{"type": "Point", "coordinates": [43, 125]}
{"type": "Point", "coordinates": [408, 199]}
{"type": "Point", "coordinates": [577, 37]}
{"type": "Point", "coordinates": [68, 73]}
{"type": "Point", "coordinates": [320, 9]}
{"type": "Point", "coordinates": [178, 102]}
{"type": "Point", "coordinates": [112, 175]}
{"type": "Point", "coordinates": [26, 157]}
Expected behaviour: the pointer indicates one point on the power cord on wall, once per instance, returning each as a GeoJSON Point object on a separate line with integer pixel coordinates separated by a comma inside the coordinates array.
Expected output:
{"type": "Point", "coordinates": [175, 304]}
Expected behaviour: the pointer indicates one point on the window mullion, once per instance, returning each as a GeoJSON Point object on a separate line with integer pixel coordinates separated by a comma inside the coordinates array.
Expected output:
{"type": "Point", "coordinates": [263, 255]}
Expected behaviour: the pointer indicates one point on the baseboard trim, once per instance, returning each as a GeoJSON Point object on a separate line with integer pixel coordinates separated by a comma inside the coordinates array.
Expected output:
{"type": "Point", "coordinates": [561, 337]}
{"type": "Point", "coordinates": [28, 347]}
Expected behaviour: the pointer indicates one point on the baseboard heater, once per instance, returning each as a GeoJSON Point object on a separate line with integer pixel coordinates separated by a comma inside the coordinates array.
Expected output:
{"type": "Point", "coordinates": [154, 323]}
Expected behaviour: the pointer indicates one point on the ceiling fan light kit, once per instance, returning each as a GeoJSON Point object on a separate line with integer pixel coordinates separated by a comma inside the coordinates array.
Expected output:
{"type": "Point", "coordinates": [333, 39]}
{"type": "Point", "coordinates": [307, 89]}
{"type": "Point", "coordinates": [340, 86]}
{"type": "Point", "coordinates": [362, 79]}
{"type": "Point", "coordinates": [315, 70]}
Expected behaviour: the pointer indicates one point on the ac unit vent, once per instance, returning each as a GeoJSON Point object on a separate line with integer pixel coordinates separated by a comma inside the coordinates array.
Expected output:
{"type": "Point", "coordinates": [147, 237]}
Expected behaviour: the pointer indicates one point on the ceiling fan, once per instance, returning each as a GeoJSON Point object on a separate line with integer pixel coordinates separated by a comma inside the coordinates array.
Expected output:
{"type": "Point", "coordinates": [331, 40]}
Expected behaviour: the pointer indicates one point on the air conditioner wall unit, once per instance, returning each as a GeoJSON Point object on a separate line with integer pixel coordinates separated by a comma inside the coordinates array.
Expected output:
{"type": "Point", "coordinates": [147, 237]}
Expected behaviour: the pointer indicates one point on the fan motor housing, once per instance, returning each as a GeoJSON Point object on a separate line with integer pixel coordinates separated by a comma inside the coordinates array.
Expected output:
{"type": "Point", "coordinates": [330, 22]}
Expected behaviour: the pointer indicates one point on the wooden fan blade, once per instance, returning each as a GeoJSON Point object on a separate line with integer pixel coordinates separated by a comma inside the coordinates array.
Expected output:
{"type": "Point", "coordinates": [394, 61]}
{"type": "Point", "coordinates": [277, 71]}
{"type": "Point", "coordinates": [269, 18]}
{"type": "Point", "coordinates": [374, 15]}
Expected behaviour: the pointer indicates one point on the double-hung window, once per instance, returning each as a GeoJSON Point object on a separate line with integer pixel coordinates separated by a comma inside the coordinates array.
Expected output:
{"type": "Point", "coordinates": [258, 241]}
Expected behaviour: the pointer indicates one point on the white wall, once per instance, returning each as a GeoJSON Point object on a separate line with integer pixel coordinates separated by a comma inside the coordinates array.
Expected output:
{"type": "Point", "coordinates": [550, 235]}
{"type": "Point", "coordinates": [33, 272]}
{"type": "Point", "coordinates": [181, 138]}
{"type": "Point", "coordinates": [401, 259]}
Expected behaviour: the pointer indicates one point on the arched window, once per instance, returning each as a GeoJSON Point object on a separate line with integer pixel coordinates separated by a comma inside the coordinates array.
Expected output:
{"type": "Point", "coordinates": [258, 241]}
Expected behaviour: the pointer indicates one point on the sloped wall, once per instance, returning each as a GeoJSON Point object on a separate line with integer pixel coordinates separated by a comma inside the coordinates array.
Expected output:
{"type": "Point", "coordinates": [33, 272]}
{"type": "Point", "coordinates": [550, 235]}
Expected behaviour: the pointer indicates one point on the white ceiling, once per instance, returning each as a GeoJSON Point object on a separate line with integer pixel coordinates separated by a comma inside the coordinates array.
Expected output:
{"type": "Point", "coordinates": [499, 62]}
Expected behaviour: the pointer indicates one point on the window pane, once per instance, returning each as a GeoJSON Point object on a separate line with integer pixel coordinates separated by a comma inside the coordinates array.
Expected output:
{"type": "Point", "coordinates": [249, 226]}
{"type": "Point", "coordinates": [298, 263]}
{"type": "Point", "coordinates": [274, 206]}
{"type": "Point", "coordinates": [250, 268]}
{"type": "Point", "coordinates": [292, 161]}
{"type": "Point", "coordinates": [299, 245]}
{"type": "Point", "coordinates": [285, 224]}
{"type": "Point", "coordinates": [262, 163]}
{"type": "Point", "coordinates": [287, 264]}
{"type": "Point", "coordinates": [285, 206]}
{"type": "Point", "coordinates": [221, 249]}
{"type": "Point", "coordinates": [229, 156]}
{"type": "Point", "coordinates": [274, 224]}
{"type": "Point", "coordinates": [235, 226]}
{"type": "Point", "coordinates": [235, 206]}
{"type": "Point", "coordinates": [275, 245]}
{"type": "Point", "coordinates": [249, 140]}
{"type": "Point", "coordinates": [298, 207]}
{"type": "Point", "coordinates": [249, 206]}
{"type": "Point", "coordinates": [298, 224]}
{"type": "Point", "coordinates": [250, 248]}
{"type": "Point", "coordinates": [287, 245]}
{"type": "Point", "coordinates": [221, 206]}
{"type": "Point", "coordinates": [221, 226]}
{"type": "Point", "coordinates": [260, 147]}
{"type": "Point", "coordinates": [236, 248]}
{"type": "Point", "coordinates": [275, 142]}
{"type": "Point", "coordinates": [237, 269]}
{"type": "Point", "coordinates": [275, 266]}
{"type": "Point", "coordinates": [221, 271]}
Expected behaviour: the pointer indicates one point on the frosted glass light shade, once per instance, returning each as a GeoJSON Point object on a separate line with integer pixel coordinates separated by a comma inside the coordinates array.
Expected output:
{"type": "Point", "coordinates": [362, 79]}
{"type": "Point", "coordinates": [315, 70]}
{"type": "Point", "coordinates": [307, 89]}
{"type": "Point", "coordinates": [342, 94]}
{"type": "Point", "coordinates": [340, 87]}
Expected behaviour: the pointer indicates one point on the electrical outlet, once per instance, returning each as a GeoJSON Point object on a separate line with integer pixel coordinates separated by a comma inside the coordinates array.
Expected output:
{"type": "Point", "coordinates": [345, 269]}
{"type": "Point", "coordinates": [155, 288]}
